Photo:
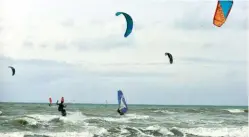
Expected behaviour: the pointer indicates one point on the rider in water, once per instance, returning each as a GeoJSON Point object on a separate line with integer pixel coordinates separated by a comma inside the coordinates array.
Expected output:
{"type": "Point", "coordinates": [61, 108]}
{"type": "Point", "coordinates": [121, 113]}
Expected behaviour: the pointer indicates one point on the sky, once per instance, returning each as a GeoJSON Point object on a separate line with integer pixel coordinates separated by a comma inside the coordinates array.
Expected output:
{"type": "Point", "coordinates": [76, 49]}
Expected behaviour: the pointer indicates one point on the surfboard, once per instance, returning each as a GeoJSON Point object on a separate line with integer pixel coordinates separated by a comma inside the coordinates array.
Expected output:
{"type": "Point", "coordinates": [121, 102]}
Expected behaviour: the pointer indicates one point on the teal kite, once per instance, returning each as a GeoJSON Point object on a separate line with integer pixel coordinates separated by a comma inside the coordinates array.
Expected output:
{"type": "Point", "coordinates": [129, 22]}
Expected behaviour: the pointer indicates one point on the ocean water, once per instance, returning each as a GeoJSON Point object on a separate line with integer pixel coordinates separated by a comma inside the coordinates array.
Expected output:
{"type": "Point", "coordinates": [84, 120]}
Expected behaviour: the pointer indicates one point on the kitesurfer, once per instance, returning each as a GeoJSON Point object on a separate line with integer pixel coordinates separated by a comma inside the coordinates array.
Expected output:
{"type": "Point", "coordinates": [61, 108]}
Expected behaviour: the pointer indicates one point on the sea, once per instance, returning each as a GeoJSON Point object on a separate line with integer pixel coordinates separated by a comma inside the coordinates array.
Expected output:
{"type": "Point", "coordinates": [102, 120]}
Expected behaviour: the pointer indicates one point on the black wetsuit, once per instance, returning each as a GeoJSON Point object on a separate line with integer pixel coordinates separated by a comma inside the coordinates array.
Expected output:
{"type": "Point", "coordinates": [121, 113]}
{"type": "Point", "coordinates": [61, 108]}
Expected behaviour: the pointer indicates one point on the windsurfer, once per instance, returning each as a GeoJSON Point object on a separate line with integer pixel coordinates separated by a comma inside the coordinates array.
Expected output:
{"type": "Point", "coordinates": [121, 113]}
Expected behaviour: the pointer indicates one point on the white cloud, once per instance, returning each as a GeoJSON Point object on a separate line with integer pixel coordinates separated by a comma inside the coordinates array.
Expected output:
{"type": "Point", "coordinates": [89, 35]}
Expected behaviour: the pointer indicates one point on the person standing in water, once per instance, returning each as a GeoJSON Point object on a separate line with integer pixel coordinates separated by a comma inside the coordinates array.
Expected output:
{"type": "Point", "coordinates": [61, 107]}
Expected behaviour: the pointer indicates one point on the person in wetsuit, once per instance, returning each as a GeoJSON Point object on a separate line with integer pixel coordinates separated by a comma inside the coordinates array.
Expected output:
{"type": "Point", "coordinates": [120, 113]}
{"type": "Point", "coordinates": [61, 108]}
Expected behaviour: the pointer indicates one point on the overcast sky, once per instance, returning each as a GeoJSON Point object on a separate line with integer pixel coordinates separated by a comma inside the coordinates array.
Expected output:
{"type": "Point", "coordinates": [76, 49]}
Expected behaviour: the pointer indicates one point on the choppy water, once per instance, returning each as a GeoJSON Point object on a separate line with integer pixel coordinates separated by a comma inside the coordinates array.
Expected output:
{"type": "Point", "coordinates": [40, 120]}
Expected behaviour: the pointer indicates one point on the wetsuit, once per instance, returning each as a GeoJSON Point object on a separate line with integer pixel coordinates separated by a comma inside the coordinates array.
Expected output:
{"type": "Point", "coordinates": [61, 108]}
{"type": "Point", "coordinates": [121, 113]}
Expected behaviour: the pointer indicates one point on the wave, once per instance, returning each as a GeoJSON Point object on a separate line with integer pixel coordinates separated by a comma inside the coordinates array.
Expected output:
{"type": "Point", "coordinates": [217, 132]}
{"type": "Point", "coordinates": [235, 110]}
{"type": "Point", "coordinates": [197, 111]}
{"type": "Point", "coordinates": [56, 134]}
{"type": "Point", "coordinates": [126, 118]}
{"type": "Point", "coordinates": [39, 121]}
{"type": "Point", "coordinates": [164, 111]}
{"type": "Point", "coordinates": [150, 131]}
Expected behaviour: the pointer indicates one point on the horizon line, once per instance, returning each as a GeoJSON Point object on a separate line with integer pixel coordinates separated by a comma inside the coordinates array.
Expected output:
{"type": "Point", "coordinates": [130, 104]}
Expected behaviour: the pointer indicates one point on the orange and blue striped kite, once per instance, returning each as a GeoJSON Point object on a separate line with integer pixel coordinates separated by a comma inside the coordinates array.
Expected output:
{"type": "Point", "coordinates": [222, 11]}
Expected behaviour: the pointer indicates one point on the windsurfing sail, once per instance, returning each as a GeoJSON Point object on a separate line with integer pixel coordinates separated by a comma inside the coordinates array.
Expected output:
{"type": "Point", "coordinates": [13, 70]}
{"type": "Point", "coordinates": [222, 11]}
{"type": "Point", "coordinates": [121, 102]}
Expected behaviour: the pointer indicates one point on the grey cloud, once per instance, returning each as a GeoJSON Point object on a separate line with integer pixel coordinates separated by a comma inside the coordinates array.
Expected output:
{"type": "Point", "coordinates": [98, 22]}
{"type": "Point", "coordinates": [108, 43]}
{"type": "Point", "coordinates": [196, 19]}
{"type": "Point", "coordinates": [206, 60]}
{"type": "Point", "coordinates": [41, 67]}
{"type": "Point", "coordinates": [38, 79]}
{"type": "Point", "coordinates": [43, 46]}
{"type": "Point", "coordinates": [28, 44]}
{"type": "Point", "coordinates": [61, 46]}
{"type": "Point", "coordinates": [1, 29]}
{"type": "Point", "coordinates": [68, 23]}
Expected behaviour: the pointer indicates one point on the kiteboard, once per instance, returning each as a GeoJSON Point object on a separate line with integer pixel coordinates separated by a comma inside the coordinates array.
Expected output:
{"type": "Point", "coordinates": [121, 102]}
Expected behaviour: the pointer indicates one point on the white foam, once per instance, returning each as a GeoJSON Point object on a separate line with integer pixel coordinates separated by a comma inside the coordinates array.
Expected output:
{"type": "Point", "coordinates": [90, 131]}
{"type": "Point", "coordinates": [135, 116]}
{"type": "Point", "coordinates": [235, 110]}
{"type": "Point", "coordinates": [44, 118]}
{"type": "Point", "coordinates": [125, 118]}
{"type": "Point", "coordinates": [162, 130]}
{"type": "Point", "coordinates": [96, 130]}
{"type": "Point", "coordinates": [218, 132]}
{"type": "Point", "coordinates": [29, 120]}
{"type": "Point", "coordinates": [74, 117]}
{"type": "Point", "coordinates": [164, 111]}
{"type": "Point", "coordinates": [56, 134]}
{"type": "Point", "coordinates": [1, 112]}
{"type": "Point", "coordinates": [123, 130]}
{"type": "Point", "coordinates": [141, 133]}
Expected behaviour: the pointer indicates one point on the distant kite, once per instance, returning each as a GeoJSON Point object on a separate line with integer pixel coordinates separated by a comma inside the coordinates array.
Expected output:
{"type": "Point", "coordinates": [222, 11]}
{"type": "Point", "coordinates": [13, 70]}
{"type": "Point", "coordinates": [170, 57]}
{"type": "Point", "coordinates": [129, 23]}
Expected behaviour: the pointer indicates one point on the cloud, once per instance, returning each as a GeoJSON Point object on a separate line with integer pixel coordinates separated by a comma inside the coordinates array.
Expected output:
{"type": "Point", "coordinates": [42, 78]}
{"type": "Point", "coordinates": [61, 46]}
{"type": "Point", "coordinates": [107, 43]}
{"type": "Point", "coordinates": [43, 46]}
{"type": "Point", "coordinates": [200, 17]}
{"type": "Point", "coordinates": [84, 52]}
{"type": "Point", "coordinates": [68, 23]}
{"type": "Point", "coordinates": [213, 61]}
{"type": "Point", "coordinates": [28, 44]}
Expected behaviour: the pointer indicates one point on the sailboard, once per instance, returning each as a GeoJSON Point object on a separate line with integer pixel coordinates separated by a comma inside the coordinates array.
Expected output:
{"type": "Point", "coordinates": [121, 102]}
